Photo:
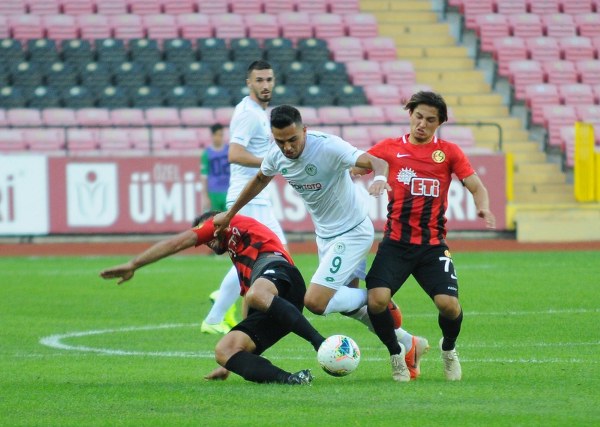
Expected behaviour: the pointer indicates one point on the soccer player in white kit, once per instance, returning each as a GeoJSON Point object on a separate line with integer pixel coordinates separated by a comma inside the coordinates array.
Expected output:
{"type": "Point", "coordinates": [249, 141]}
{"type": "Point", "coordinates": [317, 166]}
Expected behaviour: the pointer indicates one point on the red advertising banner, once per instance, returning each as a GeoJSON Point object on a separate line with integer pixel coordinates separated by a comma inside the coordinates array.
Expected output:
{"type": "Point", "coordinates": [163, 195]}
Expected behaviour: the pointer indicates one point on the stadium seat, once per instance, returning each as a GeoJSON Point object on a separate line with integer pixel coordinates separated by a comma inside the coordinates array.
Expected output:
{"type": "Point", "coordinates": [111, 7]}
{"type": "Point", "coordinates": [309, 115]}
{"type": "Point", "coordinates": [344, 6]}
{"type": "Point", "coordinates": [94, 26]}
{"type": "Point", "coordinates": [93, 117]}
{"type": "Point", "coordinates": [215, 97]}
{"type": "Point", "coordinates": [145, 7]}
{"type": "Point", "coordinates": [313, 50]}
{"type": "Point", "coordinates": [577, 93]}
{"type": "Point", "coordinates": [278, 6]}
{"type": "Point", "coordinates": [12, 140]}
{"type": "Point", "coordinates": [328, 25]}
{"type": "Point", "coordinates": [78, 97]}
{"type": "Point", "coordinates": [317, 96]}
{"type": "Point", "coordinates": [130, 76]}
{"type": "Point", "coordinates": [181, 96]}
{"type": "Point", "coordinates": [179, 52]}
{"type": "Point", "coordinates": [295, 25]}
{"type": "Point", "coordinates": [573, 7]}
{"type": "Point", "coordinates": [543, 48]}
{"type": "Point", "coordinates": [160, 26]}
{"type": "Point", "coordinates": [26, 27]}
{"type": "Point", "coordinates": [114, 140]}
{"type": "Point", "coordinates": [360, 24]}
{"type": "Point", "coordinates": [81, 141]}
{"type": "Point", "coordinates": [20, 117]}
{"type": "Point", "coordinates": [179, 7]}
{"type": "Point", "coordinates": [543, 7]}
{"type": "Point", "coordinates": [127, 117]}
{"type": "Point", "coordinates": [558, 24]}
{"type": "Point", "coordinates": [344, 49]}
{"type": "Point", "coordinates": [382, 94]}
{"type": "Point", "coordinates": [349, 95]}
{"type": "Point", "coordinates": [511, 7]}
{"type": "Point", "coordinates": [12, 51]}
{"type": "Point", "coordinates": [59, 117]}
{"type": "Point", "coordinates": [357, 135]}
{"type": "Point", "coordinates": [213, 51]}
{"type": "Point", "coordinates": [588, 71]}
{"type": "Point", "coordinates": [408, 90]}
{"type": "Point", "coordinates": [212, 7]}
{"type": "Point", "coordinates": [193, 26]}
{"type": "Point", "coordinates": [228, 25]}
{"type": "Point", "coordinates": [140, 139]}
{"type": "Point", "coordinates": [61, 75]}
{"type": "Point", "coordinates": [560, 72]}
{"type": "Point", "coordinates": [474, 8]}
{"type": "Point", "coordinates": [50, 141]}
{"type": "Point", "coordinates": [77, 52]}
{"type": "Point", "coordinates": [576, 48]}
{"type": "Point", "coordinates": [113, 97]}
{"type": "Point", "coordinates": [334, 115]}
{"type": "Point", "coordinates": [284, 94]}
{"type": "Point", "coordinates": [332, 74]}
{"type": "Point", "coordinates": [13, 7]}
{"type": "Point", "coordinates": [223, 115]}
{"type": "Point", "coordinates": [461, 135]}
{"type": "Point", "coordinates": [232, 76]}
{"type": "Point", "coordinates": [398, 72]}
{"type": "Point", "coordinates": [507, 49]}
{"type": "Point", "coordinates": [379, 48]}
{"type": "Point", "coordinates": [44, 7]}
{"type": "Point", "coordinates": [279, 51]}
{"type": "Point", "coordinates": [79, 7]}
{"type": "Point", "coordinates": [147, 97]}
{"type": "Point", "coordinates": [179, 139]}
{"type": "Point", "coordinates": [523, 73]}
{"type": "Point", "coordinates": [588, 24]}
{"type": "Point", "coordinates": [127, 27]}
{"type": "Point", "coordinates": [596, 90]}
{"type": "Point", "coordinates": [491, 26]}
{"type": "Point", "coordinates": [110, 51]}
{"type": "Point", "coordinates": [367, 114]}
{"type": "Point", "coordinates": [395, 113]}
{"type": "Point", "coordinates": [526, 25]}
{"type": "Point", "coordinates": [378, 133]}
{"type": "Point", "coordinates": [95, 76]}
{"type": "Point", "coordinates": [44, 97]}
{"type": "Point", "coordinates": [245, 50]}
{"type": "Point", "coordinates": [198, 76]}
{"type": "Point", "coordinates": [588, 113]}
{"type": "Point", "coordinates": [362, 72]}
{"type": "Point", "coordinates": [261, 26]}
{"type": "Point", "coordinates": [42, 51]}
{"type": "Point", "coordinates": [145, 52]}
{"type": "Point", "coordinates": [298, 73]}
{"type": "Point", "coordinates": [26, 75]}
{"type": "Point", "coordinates": [312, 6]}
{"type": "Point", "coordinates": [555, 117]}
{"type": "Point", "coordinates": [247, 6]}
{"type": "Point", "coordinates": [60, 27]}
{"type": "Point", "coordinates": [539, 95]}
{"type": "Point", "coordinates": [4, 27]}
{"type": "Point", "coordinates": [197, 116]}
{"type": "Point", "coordinates": [164, 76]}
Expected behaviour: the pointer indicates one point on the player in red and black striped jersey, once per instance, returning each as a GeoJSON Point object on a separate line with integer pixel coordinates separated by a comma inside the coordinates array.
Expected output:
{"type": "Point", "coordinates": [272, 286]}
{"type": "Point", "coordinates": [414, 242]}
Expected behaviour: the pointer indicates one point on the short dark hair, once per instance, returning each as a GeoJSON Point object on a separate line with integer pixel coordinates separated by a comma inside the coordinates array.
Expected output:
{"type": "Point", "coordinates": [428, 98]}
{"type": "Point", "coordinates": [284, 116]}
{"type": "Point", "coordinates": [215, 128]}
{"type": "Point", "coordinates": [204, 217]}
{"type": "Point", "coordinates": [261, 64]}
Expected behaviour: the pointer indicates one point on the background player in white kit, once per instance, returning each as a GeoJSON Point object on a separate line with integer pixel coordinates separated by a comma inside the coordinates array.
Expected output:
{"type": "Point", "coordinates": [317, 166]}
{"type": "Point", "coordinates": [249, 141]}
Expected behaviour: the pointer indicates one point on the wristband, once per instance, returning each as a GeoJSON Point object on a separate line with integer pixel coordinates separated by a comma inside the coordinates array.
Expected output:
{"type": "Point", "coordinates": [380, 178]}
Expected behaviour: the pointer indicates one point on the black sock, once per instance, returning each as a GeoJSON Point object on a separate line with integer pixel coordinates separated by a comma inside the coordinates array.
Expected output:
{"type": "Point", "coordinates": [383, 324]}
{"type": "Point", "coordinates": [450, 330]}
{"type": "Point", "coordinates": [255, 368]}
{"type": "Point", "coordinates": [290, 317]}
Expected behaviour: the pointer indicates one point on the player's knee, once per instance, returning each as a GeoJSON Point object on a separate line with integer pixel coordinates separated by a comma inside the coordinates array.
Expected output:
{"type": "Point", "coordinates": [228, 346]}
{"type": "Point", "coordinates": [377, 300]}
{"type": "Point", "coordinates": [314, 305]}
{"type": "Point", "coordinates": [448, 306]}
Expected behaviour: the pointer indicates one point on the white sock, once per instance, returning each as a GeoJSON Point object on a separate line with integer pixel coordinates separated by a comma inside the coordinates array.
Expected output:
{"type": "Point", "coordinates": [228, 293]}
{"type": "Point", "coordinates": [404, 338]}
{"type": "Point", "coordinates": [346, 299]}
{"type": "Point", "coordinates": [362, 316]}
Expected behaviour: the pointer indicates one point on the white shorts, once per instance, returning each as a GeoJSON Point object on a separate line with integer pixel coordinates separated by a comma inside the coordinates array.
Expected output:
{"type": "Point", "coordinates": [263, 214]}
{"type": "Point", "coordinates": [344, 258]}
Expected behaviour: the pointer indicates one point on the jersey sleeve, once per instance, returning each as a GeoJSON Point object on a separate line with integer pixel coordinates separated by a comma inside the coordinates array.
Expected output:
{"type": "Point", "coordinates": [204, 232]}
{"type": "Point", "coordinates": [460, 163]}
{"type": "Point", "coordinates": [268, 166]}
{"type": "Point", "coordinates": [344, 152]}
{"type": "Point", "coordinates": [243, 130]}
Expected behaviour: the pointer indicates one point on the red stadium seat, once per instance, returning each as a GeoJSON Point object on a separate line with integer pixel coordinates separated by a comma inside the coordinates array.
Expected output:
{"type": "Point", "coordinates": [127, 27]}
{"type": "Point", "coordinates": [588, 113]}
{"type": "Point", "coordinates": [223, 115]}
{"type": "Point", "coordinates": [179, 7]}
{"type": "Point", "coordinates": [524, 73]}
{"type": "Point", "coordinates": [82, 141]}
{"type": "Point", "coordinates": [539, 95]}
{"type": "Point", "coordinates": [160, 116]}
{"type": "Point", "coordinates": [328, 25]}
{"type": "Point", "coordinates": [312, 6]}
{"type": "Point", "coordinates": [26, 27]}
{"type": "Point", "coordinates": [94, 27]}
{"type": "Point", "coordinates": [114, 139]}
{"type": "Point", "coordinates": [511, 7]}
{"type": "Point", "coordinates": [588, 71]}
{"type": "Point", "coordinates": [368, 114]}
{"type": "Point", "coordinates": [195, 26]}
{"type": "Point", "coordinates": [559, 25]}
{"type": "Point", "coordinates": [588, 24]}
{"type": "Point", "coordinates": [491, 26]}
{"type": "Point", "coordinates": [560, 72]}
{"type": "Point", "coordinates": [24, 117]}
{"type": "Point", "coordinates": [543, 48]}
{"type": "Point", "coordinates": [12, 140]}
{"type": "Point", "coordinates": [507, 49]}
{"type": "Point", "coordinates": [361, 24]}
{"type": "Point", "coordinates": [127, 117]}
{"type": "Point", "coordinates": [345, 49]}
{"type": "Point", "coordinates": [197, 116]}
{"type": "Point", "coordinates": [59, 117]}
{"type": "Point", "coordinates": [79, 7]}
{"type": "Point", "coordinates": [335, 115]}
{"type": "Point", "coordinates": [279, 6]}
{"type": "Point", "coordinates": [395, 113]}
{"type": "Point", "coordinates": [357, 135]}
{"type": "Point", "coordinates": [228, 26]}
{"type": "Point", "coordinates": [577, 93]}
{"type": "Point", "coordinates": [383, 94]}
{"type": "Point", "coordinates": [212, 7]}
{"type": "Point", "coordinates": [50, 141]}
{"type": "Point", "coordinates": [381, 132]}
{"type": "Point", "coordinates": [111, 7]}
{"type": "Point", "coordinates": [379, 48]}
{"type": "Point", "coordinates": [160, 26]}
{"type": "Point", "coordinates": [13, 7]}
{"type": "Point", "coordinates": [60, 27]}
{"type": "Point", "coordinates": [309, 115]}
{"type": "Point", "coordinates": [344, 6]}
{"type": "Point", "coordinates": [526, 25]}
{"type": "Point", "coordinates": [44, 7]}
{"type": "Point", "coordinates": [544, 7]}
{"type": "Point", "coordinates": [295, 25]}
{"type": "Point", "coordinates": [573, 7]}
{"type": "Point", "coordinates": [247, 6]}
{"type": "Point", "coordinates": [398, 72]}
{"type": "Point", "coordinates": [93, 117]}
{"type": "Point", "coordinates": [474, 8]}
{"type": "Point", "coordinates": [362, 72]}
{"type": "Point", "coordinates": [555, 117]}
{"type": "Point", "coordinates": [461, 135]}
{"type": "Point", "coordinates": [262, 26]}
{"type": "Point", "coordinates": [145, 7]}
{"type": "Point", "coordinates": [576, 48]}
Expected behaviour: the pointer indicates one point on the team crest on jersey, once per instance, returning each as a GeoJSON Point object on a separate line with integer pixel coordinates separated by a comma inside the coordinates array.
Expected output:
{"type": "Point", "coordinates": [438, 156]}
{"type": "Point", "coordinates": [405, 175]}
{"type": "Point", "coordinates": [310, 169]}
{"type": "Point", "coordinates": [339, 248]}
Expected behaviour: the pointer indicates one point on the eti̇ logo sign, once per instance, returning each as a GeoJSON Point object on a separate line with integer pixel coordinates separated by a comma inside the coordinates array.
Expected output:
{"type": "Point", "coordinates": [92, 194]}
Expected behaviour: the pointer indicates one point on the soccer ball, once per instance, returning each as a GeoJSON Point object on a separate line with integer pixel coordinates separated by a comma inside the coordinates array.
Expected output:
{"type": "Point", "coordinates": [339, 355]}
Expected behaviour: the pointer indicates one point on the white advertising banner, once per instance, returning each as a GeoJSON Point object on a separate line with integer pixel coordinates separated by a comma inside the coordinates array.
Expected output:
{"type": "Point", "coordinates": [24, 195]}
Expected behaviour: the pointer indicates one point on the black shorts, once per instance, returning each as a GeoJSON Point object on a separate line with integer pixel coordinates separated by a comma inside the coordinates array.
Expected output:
{"type": "Point", "coordinates": [261, 327]}
{"type": "Point", "coordinates": [431, 266]}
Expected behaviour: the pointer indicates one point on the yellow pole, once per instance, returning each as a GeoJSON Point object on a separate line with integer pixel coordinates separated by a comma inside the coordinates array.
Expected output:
{"type": "Point", "coordinates": [583, 172]}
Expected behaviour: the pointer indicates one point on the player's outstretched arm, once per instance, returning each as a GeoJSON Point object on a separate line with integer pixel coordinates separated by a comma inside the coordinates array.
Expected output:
{"type": "Point", "coordinates": [380, 170]}
{"type": "Point", "coordinates": [481, 198]}
{"type": "Point", "coordinates": [154, 253]}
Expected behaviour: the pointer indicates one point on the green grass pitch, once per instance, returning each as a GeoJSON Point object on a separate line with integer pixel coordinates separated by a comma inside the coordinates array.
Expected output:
{"type": "Point", "coordinates": [77, 350]}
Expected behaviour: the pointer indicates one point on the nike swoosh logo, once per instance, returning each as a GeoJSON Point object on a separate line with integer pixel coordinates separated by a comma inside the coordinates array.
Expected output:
{"type": "Point", "coordinates": [402, 155]}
